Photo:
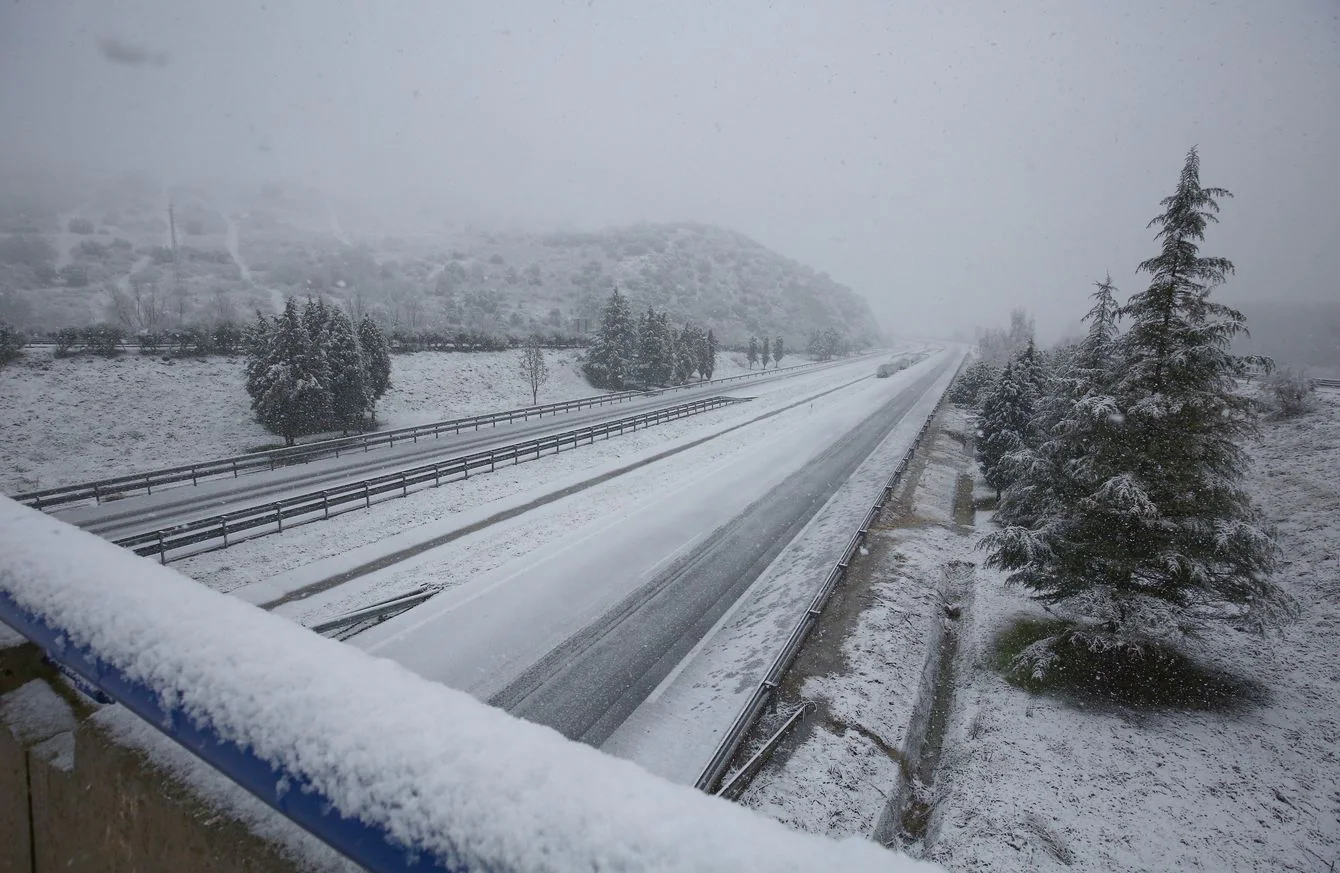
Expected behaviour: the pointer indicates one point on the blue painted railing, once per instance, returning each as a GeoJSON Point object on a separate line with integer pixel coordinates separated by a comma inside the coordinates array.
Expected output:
{"type": "Point", "coordinates": [394, 772]}
{"type": "Point", "coordinates": [300, 802]}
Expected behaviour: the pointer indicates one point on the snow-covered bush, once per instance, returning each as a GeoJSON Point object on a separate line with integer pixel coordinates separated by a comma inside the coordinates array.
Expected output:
{"type": "Point", "coordinates": [1289, 391]}
{"type": "Point", "coordinates": [12, 342]}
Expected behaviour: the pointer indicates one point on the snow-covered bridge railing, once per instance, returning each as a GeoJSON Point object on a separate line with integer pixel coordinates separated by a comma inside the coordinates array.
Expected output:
{"type": "Point", "coordinates": [231, 528]}
{"type": "Point", "coordinates": [396, 772]}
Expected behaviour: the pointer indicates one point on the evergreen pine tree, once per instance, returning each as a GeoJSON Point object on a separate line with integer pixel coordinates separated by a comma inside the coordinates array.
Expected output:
{"type": "Point", "coordinates": [1150, 535]}
{"type": "Point", "coordinates": [707, 360]}
{"type": "Point", "coordinates": [1004, 424]}
{"type": "Point", "coordinates": [350, 395]}
{"type": "Point", "coordinates": [295, 394]}
{"type": "Point", "coordinates": [648, 348]}
{"type": "Point", "coordinates": [778, 350]}
{"type": "Point", "coordinates": [753, 351]}
{"type": "Point", "coordinates": [1074, 422]}
{"type": "Point", "coordinates": [669, 350]}
{"type": "Point", "coordinates": [377, 359]}
{"type": "Point", "coordinates": [256, 340]}
{"type": "Point", "coordinates": [687, 352]}
{"type": "Point", "coordinates": [610, 360]}
{"type": "Point", "coordinates": [766, 354]}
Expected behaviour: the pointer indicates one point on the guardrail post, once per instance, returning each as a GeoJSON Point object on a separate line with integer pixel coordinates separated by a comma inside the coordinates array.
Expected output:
{"type": "Point", "coordinates": [148, 485]}
{"type": "Point", "coordinates": [325, 504]}
{"type": "Point", "coordinates": [279, 517]}
{"type": "Point", "coordinates": [367, 496]}
{"type": "Point", "coordinates": [437, 476]}
{"type": "Point", "coordinates": [234, 468]}
{"type": "Point", "coordinates": [404, 486]}
{"type": "Point", "coordinates": [97, 496]}
{"type": "Point", "coordinates": [162, 550]}
{"type": "Point", "coordinates": [193, 475]}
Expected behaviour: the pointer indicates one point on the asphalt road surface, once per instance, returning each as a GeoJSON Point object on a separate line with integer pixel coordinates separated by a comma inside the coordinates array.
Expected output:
{"type": "Point", "coordinates": [576, 636]}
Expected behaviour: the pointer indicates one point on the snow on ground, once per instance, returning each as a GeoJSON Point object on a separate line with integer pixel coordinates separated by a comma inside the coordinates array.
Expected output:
{"type": "Point", "coordinates": [836, 776]}
{"type": "Point", "coordinates": [675, 731]}
{"type": "Point", "coordinates": [1033, 783]}
{"type": "Point", "coordinates": [274, 565]}
{"type": "Point", "coordinates": [65, 420]}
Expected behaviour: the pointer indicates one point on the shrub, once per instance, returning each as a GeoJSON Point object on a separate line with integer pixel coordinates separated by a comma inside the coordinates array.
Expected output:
{"type": "Point", "coordinates": [103, 340]}
{"type": "Point", "coordinates": [227, 338]}
{"type": "Point", "coordinates": [66, 340]}
{"type": "Point", "coordinates": [1050, 656]}
{"type": "Point", "coordinates": [91, 248]}
{"type": "Point", "coordinates": [191, 342]}
{"type": "Point", "coordinates": [12, 342]}
{"type": "Point", "coordinates": [25, 249]}
{"type": "Point", "coordinates": [45, 274]}
{"type": "Point", "coordinates": [74, 276]}
{"type": "Point", "coordinates": [1290, 391]}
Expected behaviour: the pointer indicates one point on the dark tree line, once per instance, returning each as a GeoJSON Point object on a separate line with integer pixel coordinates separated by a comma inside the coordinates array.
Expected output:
{"type": "Point", "coordinates": [647, 351]}
{"type": "Point", "coordinates": [1119, 465]}
{"type": "Point", "coordinates": [310, 370]}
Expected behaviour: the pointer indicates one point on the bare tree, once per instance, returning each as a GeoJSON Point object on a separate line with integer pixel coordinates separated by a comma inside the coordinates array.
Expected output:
{"type": "Point", "coordinates": [533, 367]}
{"type": "Point", "coordinates": [413, 311]}
{"type": "Point", "coordinates": [138, 308]}
{"type": "Point", "coordinates": [355, 306]}
{"type": "Point", "coordinates": [221, 308]}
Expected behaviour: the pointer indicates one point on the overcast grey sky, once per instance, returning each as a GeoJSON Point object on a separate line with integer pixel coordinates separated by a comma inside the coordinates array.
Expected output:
{"type": "Point", "coordinates": [947, 160]}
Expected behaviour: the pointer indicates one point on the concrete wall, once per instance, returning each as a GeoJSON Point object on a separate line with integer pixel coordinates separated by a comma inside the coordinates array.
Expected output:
{"type": "Point", "coordinates": [75, 797]}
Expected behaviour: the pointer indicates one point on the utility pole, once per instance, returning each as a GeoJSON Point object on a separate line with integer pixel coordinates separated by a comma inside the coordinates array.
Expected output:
{"type": "Point", "coordinates": [177, 289]}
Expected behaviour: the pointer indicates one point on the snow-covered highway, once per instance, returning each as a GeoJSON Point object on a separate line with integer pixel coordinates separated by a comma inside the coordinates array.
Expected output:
{"type": "Point", "coordinates": [598, 595]}
{"type": "Point", "coordinates": [179, 505]}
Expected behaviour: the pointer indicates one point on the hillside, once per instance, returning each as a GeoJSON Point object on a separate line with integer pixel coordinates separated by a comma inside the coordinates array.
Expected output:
{"type": "Point", "coordinates": [63, 260]}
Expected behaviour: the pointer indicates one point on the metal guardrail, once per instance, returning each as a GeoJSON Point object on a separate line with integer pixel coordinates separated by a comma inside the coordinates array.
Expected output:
{"type": "Point", "coordinates": [744, 722]}
{"type": "Point", "coordinates": [274, 458]}
{"type": "Point", "coordinates": [1326, 383]}
{"type": "Point", "coordinates": [319, 505]}
{"type": "Point", "coordinates": [350, 623]}
{"type": "Point", "coordinates": [740, 777]}
{"type": "Point", "coordinates": [117, 486]}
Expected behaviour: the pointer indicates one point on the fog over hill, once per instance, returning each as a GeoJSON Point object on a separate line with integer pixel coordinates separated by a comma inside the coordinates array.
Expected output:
{"type": "Point", "coordinates": [65, 252]}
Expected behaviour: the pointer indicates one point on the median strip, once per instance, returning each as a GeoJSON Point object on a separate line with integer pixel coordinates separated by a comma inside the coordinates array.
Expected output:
{"type": "Point", "coordinates": [221, 531]}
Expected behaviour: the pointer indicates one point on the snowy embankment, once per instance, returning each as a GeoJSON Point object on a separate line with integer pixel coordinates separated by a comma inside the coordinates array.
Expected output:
{"type": "Point", "coordinates": [1037, 783]}
{"type": "Point", "coordinates": [432, 770]}
{"type": "Point", "coordinates": [78, 419]}
{"type": "Point", "coordinates": [864, 669]}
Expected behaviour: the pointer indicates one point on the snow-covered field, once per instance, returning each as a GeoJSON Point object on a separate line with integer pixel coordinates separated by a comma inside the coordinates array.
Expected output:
{"type": "Point", "coordinates": [1032, 782]}
{"type": "Point", "coordinates": [65, 420]}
